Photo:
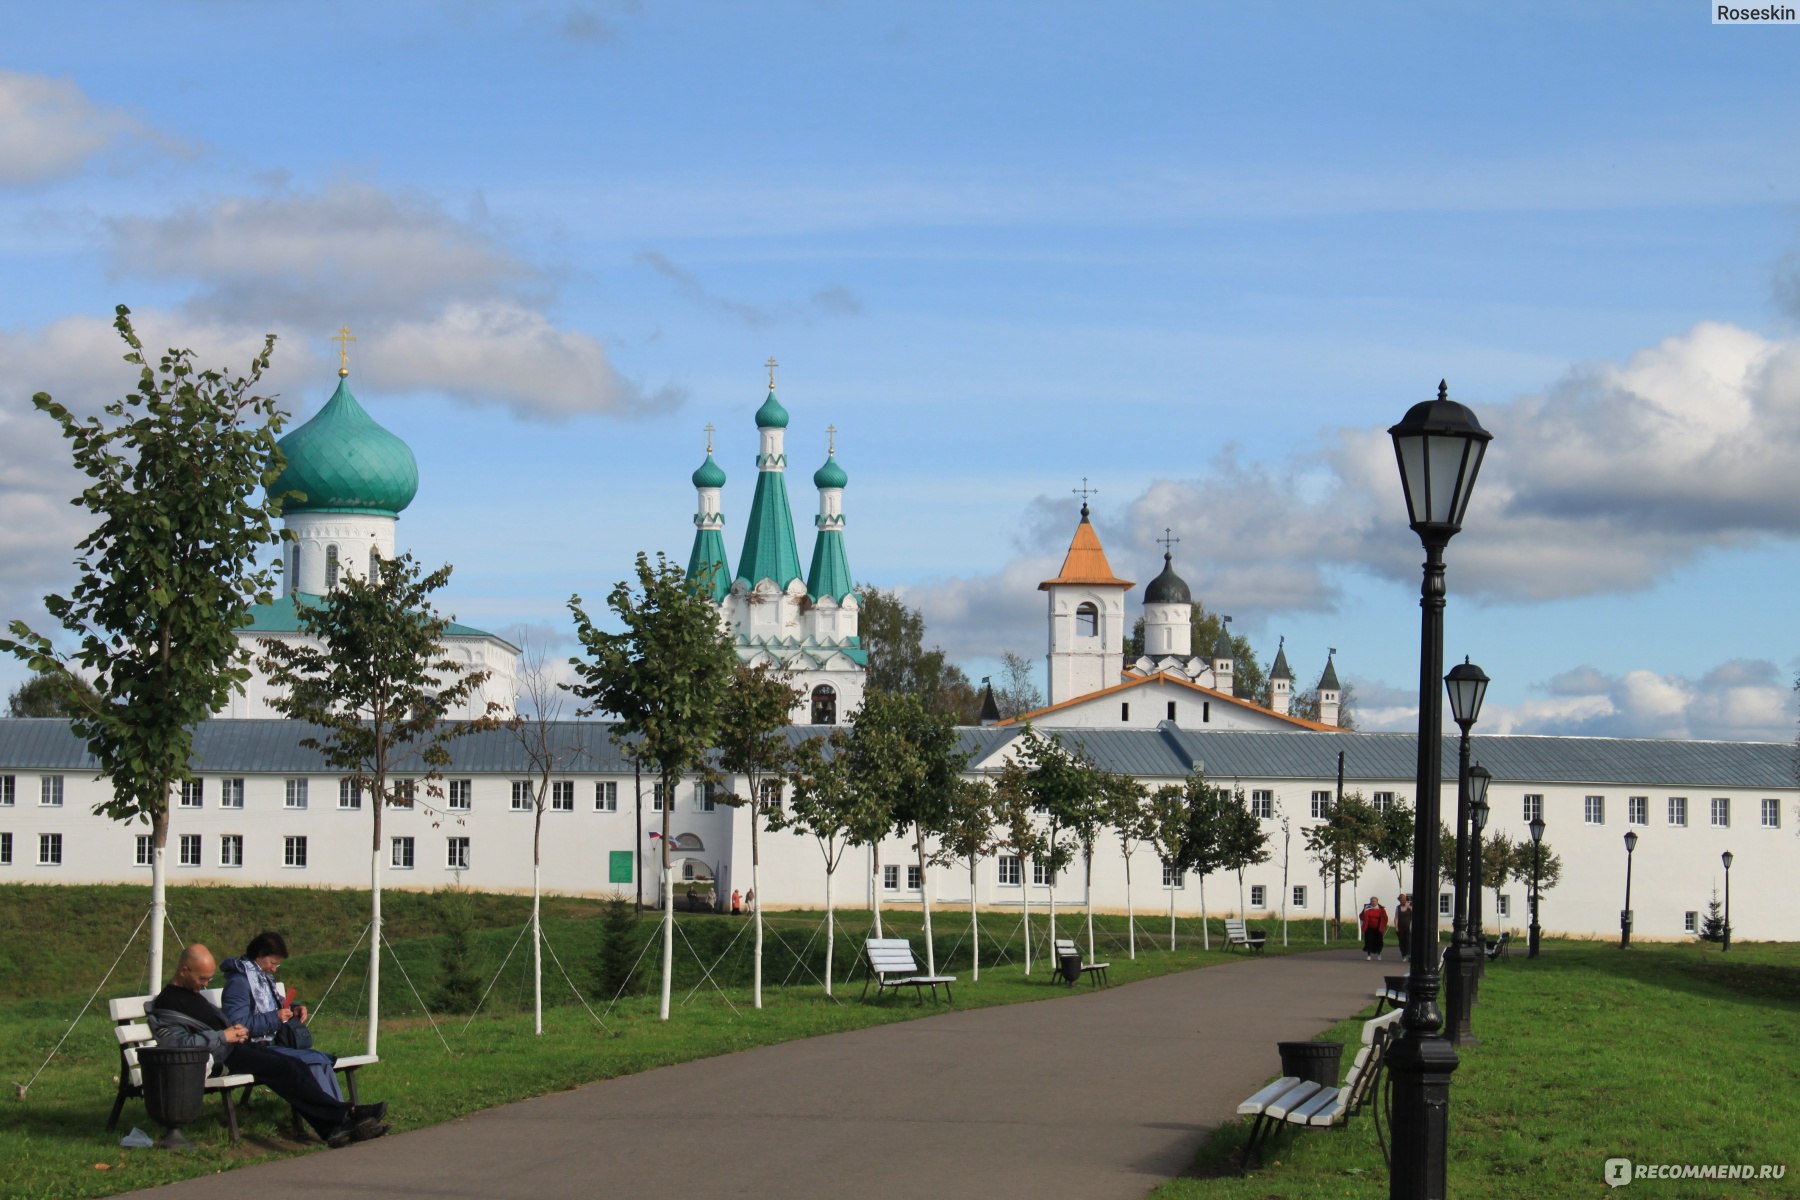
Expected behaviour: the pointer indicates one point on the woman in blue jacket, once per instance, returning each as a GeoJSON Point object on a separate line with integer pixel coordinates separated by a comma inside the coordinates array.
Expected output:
{"type": "Point", "coordinates": [251, 1000]}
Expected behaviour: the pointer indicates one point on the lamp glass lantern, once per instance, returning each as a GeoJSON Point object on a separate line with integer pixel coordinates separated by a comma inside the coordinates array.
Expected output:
{"type": "Point", "coordinates": [1479, 778]}
{"type": "Point", "coordinates": [1631, 841]}
{"type": "Point", "coordinates": [1537, 828]}
{"type": "Point", "coordinates": [1726, 859]}
{"type": "Point", "coordinates": [1440, 445]}
{"type": "Point", "coordinates": [1467, 685]}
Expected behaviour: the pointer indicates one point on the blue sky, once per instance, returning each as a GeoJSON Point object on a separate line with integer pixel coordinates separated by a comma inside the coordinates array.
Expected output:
{"type": "Point", "coordinates": [1202, 255]}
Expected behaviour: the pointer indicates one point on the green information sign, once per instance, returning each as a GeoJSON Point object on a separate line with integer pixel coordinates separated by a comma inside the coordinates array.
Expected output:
{"type": "Point", "coordinates": [619, 868]}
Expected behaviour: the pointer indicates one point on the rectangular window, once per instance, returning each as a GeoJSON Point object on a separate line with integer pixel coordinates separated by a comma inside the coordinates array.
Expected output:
{"type": "Point", "coordinates": [1009, 870]}
{"type": "Point", "coordinates": [914, 882]}
{"type": "Point", "coordinates": [1041, 875]}
{"type": "Point", "coordinates": [1173, 878]}
{"type": "Point", "coordinates": [1383, 801]}
{"type": "Point", "coordinates": [1534, 807]}
{"type": "Point", "coordinates": [1678, 810]}
{"type": "Point", "coordinates": [49, 849]}
{"type": "Point", "coordinates": [706, 797]}
{"type": "Point", "coordinates": [462, 795]}
{"type": "Point", "coordinates": [562, 795]}
{"type": "Point", "coordinates": [146, 850]}
{"type": "Point", "coordinates": [1321, 806]}
{"type": "Point", "coordinates": [1593, 810]}
{"type": "Point", "coordinates": [231, 793]}
{"type": "Point", "coordinates": [1690, 922]}
{"type": "Point", "coordinates": [456, 854]}
{"type": "Point", "coordinates": [1771, 814]}
{"type": "Point", "coordinates": [1637, 810]}
{"type": "Point", "coordinates": [349, 793]}
{"type": "Point", "coordinates": [6, 850]}
{"type": "Point", "coordinates": [1444, 903]}
{"type": "Point", "coordinates": [402, 793]}
{"type": "Point", "coordinates": [771, 795]}
{"type": "Point", "coordinates": [193, 793]}
{"type": "Point", "coordinates": [1503, 906]}
{"type": "Point", "coordinates": [1721, 812]}
{"type": "Point", "coordinates": [50, 791]}
{"type": "Point", "coordinates": [890, 878]}
{"type": "Point", "coordinates": [606, 797]}
{"type": "Point", "coordinates": [1299, 895]}
{"type": "Point", "coordinates": [190, 850]}
{"type": "Point", "coordinates": [8, 791]}
{"type": "Point", "coordinates": [1171, 710]}
{"type": "Point", "coordinates": [231, 850]}
{"type": "Point", "coordinates": [1262, 803]}
{"type": "Point", "coordinates": [521, 795]}
{"type": "Point", "coordinates": [293, 852]}
{"type": "Point", "coordinates": [296, 793]}
{"type": "Point", "coordinates": [656, 797]}
{"type": "Point", "coordinates": [1124, 711]}
{"type": "Point", "coordinates": [1259, 896]}
{"type": "Point", "coordinates": [402, 857]}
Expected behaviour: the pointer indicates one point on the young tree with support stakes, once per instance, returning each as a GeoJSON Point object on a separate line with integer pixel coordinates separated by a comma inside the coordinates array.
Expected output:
{"type": "Point", "coordinates": [968, 836]}
{"type": "Point", "coordinates": [1244, 842]}
{"type": "Point", "coordinates": [381, 687]}
{"type": "Point", "coordinates": [166, 577]}
{"type": "Point", "coordinates": [1014, 813]}
{"type": "Point", "coordinates": [823, 805]}
{"type": "Point", "coordinates": [1090, 815]}
{"type": "Point", "coordinates": [751, 745]}
{"type": "Point", "coordinates": [1214, 833]}
{"type": "Point", "coordinates": [1342, 845]}
{"type": "Point", "coordinates": [1131, 817]}
{"type": "Point", "coordinates": [1393, 844]}
{"type": "Point", "coordinates": [1168, 822]}
{"type": "Point", "coordinates": [665, 676]}
{"type": "Point", "coordinates": [1062, 786]}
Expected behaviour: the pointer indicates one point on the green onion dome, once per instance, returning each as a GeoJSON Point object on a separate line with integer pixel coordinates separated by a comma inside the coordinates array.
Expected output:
{"type": "Point", "coordinates": [771, 415]}
{"type": "Point", "coordinates": [830, 475]}
{"type": "Point", "coordinates": [710, 474]}
{"type": "Point", "coordinates": [342, 461]}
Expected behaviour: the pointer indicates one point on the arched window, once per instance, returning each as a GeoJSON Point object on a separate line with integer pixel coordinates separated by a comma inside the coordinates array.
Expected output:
{"type": "Point", "coordinates": [824, 705]}
{"type": "Point", "coordinates": [1087, 620]}
{"type": "Point", "coordinates": [293, 579]}
{"type": "Point", "coordinates": [331, 568]}
{"type": "Point", "coordinates": [374, 565]}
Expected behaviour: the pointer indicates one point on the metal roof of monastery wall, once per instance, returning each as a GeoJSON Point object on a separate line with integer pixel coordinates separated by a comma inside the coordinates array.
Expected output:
{"type": "Point", "coordinates": [1085, 561]}
{"type": "Point", "coordinates": [273, 747]}
{"type": "Point", "coordinates": [281, 616]}
{"type": "Point", "coordinates": [342, 460]}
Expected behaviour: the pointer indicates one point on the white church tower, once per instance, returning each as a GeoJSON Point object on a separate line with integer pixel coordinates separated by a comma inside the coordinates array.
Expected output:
{"type": "Point", "coordinates": [1087, 617]}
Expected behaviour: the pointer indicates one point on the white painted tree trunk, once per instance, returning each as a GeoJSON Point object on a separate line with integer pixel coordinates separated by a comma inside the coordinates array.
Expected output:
{"type": "Point", "coordinates": [1130, 919]}
{"type": "Point", "coordinates": [1205, 930]}
{"type": "Point", "coordinates": [830, 930]}
{"type": "Point", "coordinates": [159, 899]}
{"type": "Point", "coordinates": [974, 921]}
{"type": "Point", "coordinates": [1171, 920]}
{"type": "Point", "coordinates": [1089, 884]}
{"type": "Point", "coordinates": [1052, 922]}
{"type": "Point", "coordinates": [925, 900]}
{"type": "Point", "coordinates": [668, 888]}
{"type": "Point", "coordinates": [755, 904]}
{"type": "Point", "coordinates": [374, 1030]}
{"type": "Point", "coordinates": [1025, 896]}
{"type": "Point", "coordinates": [875, 882]}
{"type": "Point", "coordinates": [537, 949]}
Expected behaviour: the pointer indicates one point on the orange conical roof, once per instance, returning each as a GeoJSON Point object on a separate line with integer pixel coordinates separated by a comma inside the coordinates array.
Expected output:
{"type": "Point", "coordinates": [1086, 561]}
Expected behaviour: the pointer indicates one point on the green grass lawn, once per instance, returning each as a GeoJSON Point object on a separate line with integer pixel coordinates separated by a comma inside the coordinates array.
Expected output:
{"type": "Point", "coordinates": [1663, 1054]}
{"type": "Point", "coordinates": [60, 941]}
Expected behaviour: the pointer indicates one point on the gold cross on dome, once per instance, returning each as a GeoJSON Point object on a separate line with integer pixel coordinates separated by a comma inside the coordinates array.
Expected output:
{"type": "Point", "coordinates": [771, 364]}
{"type": "Point", "coordinates": [343, 338]}
{"type": "Point", "coordinates": [830, 440]}
{"type": "Point", "coordinates": [1168, 539]}
{"type": "Point", "coordinates": [709, 433]}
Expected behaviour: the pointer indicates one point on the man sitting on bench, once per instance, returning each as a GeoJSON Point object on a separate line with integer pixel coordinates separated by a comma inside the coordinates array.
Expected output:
{"type": "Point", "coordinates": [181, 1016]}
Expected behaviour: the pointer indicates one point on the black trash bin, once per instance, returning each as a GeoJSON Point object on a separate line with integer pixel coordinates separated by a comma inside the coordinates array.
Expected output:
{"type": "Point", "coordinates": [1069, 966]}
{"type": "Point", "coordinates": [1316, 1062]}
{"type": "Point", "coordinates": [174, 1086]}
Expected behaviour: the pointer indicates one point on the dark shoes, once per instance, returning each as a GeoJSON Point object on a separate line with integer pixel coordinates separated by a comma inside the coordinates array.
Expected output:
{"type": "Point", "coordinates": [369, 1112]}
{"type": "Point", "coordinates": [356, 1129]}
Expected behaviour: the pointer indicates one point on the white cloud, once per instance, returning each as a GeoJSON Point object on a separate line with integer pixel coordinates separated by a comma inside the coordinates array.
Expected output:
{"type": "Point", "coordinates": [436, 303]}
{"type": "Point", "coordinates": [50, 128]}
{"type": "Point", "coordinates": [1740, 700]}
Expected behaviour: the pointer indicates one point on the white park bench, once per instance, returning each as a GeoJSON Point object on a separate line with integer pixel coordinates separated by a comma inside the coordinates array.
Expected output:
{"type": "Point", "coordinates": [1306, 1104]}
{"type": "Point", "coordinates": [132, 1032]}
{"type": "Point", "coordinates": [1238, 934]}
{"type": "Point", "coordinates": [890, 964]}
{"type": "Point", "coordinates": [1065, 950]}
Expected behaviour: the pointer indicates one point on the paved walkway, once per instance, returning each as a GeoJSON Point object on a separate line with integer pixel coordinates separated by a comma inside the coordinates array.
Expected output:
{"type": "Point", "coordinates": [1106, 1093]}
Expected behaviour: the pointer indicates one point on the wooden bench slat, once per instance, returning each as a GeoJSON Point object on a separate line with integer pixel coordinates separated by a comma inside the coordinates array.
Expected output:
{"type": "Point", "coordinates": [1279, 1109]}
{"type": "Point", "coordinates": [1271, 1093]}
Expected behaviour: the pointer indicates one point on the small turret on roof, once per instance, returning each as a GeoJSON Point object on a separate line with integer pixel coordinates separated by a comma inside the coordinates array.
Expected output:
{"type": "Point", "coordinates": [1281, 670]}
{"type": "Point", "coordinates": [990, 707]}
{"type": "Point", "coordinates": [1328, 682]}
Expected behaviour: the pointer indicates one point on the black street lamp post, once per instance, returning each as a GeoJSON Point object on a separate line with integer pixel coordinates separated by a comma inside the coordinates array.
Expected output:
{"type": "Point", "coordinates": [1537, 852]}
{"type": "Point", "coordinates": [1479, 778]}
{"type": "Point", "coordinates": [1726, 859]}
{"type": "Point", "coordinates": [1467, 686]}
{"type": "Point", "coordinates": [1439, 446]}
{"type": "Point", "coordinates": [1625, 913]}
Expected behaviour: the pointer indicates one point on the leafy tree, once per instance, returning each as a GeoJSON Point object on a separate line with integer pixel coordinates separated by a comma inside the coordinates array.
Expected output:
{"type": "Point", "coordinates": [968, 836]}
{"type": "Point", "coordinates": [905, 761]}
{"type": "Point", "coordinates": [1134, 821]}
{"type": "Point", "coordinates": [751, 744]}
{"type": "Point", "coordinates": [1306, 706]}
{"type": "Point", "coordinates": [1091, 814]}
{"type": "Point", "coordinates": [615, 975]}
{"type": "Point", "coordinates": [1014, 814]}
{"type": "Point", "coordinates": [1169, 831]}
{"type": "Point", "coordinates": [1343, 844]}
{"type": "Point", "coordinates": [167, 575]}
{"type": "Point", "coordinates": [1549, 868]}
{"type": "Point", "coordinates": [1394, 838]}
{"type": "Point", "coordinates": [53, 694]}
{"type": "Point", "coordinates": [824, 807]}
{"type": "Point", "coordinates": [1243, 843]}
{"type": "Point", "coordinates": [1062, 786]}
{"type": "Point", "coordinates": [894, 636]}
{"type": "Point", "coordinates": [371, 671]}
{"type": "Point", "coordinates": [1018, 693]}
{"type": "Point", "coordinates": [665, 675]}
{"type": "Point", "coordinates": [1498, 856]}
{"type": "Point", "coordinates": [1216, 834]}
{"type": "Point", "coordinates": [459, 983]}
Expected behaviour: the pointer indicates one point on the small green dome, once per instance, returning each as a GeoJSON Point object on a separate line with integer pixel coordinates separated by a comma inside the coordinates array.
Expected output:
{"type": "Point", "coordinates": [342, 461]}
{"type": "Point", "coordinates": [830, 475]}
{"type": "Point", "coordinates": [771, 415]}
{"type": "Point", "coordinates": [710, 474]}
